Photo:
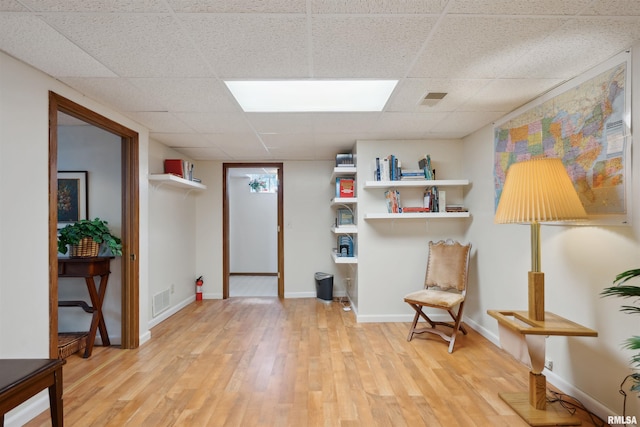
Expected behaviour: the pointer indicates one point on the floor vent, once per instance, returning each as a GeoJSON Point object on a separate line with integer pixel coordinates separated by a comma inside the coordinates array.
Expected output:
{"type": "Point", "coordinates": [161, 302]}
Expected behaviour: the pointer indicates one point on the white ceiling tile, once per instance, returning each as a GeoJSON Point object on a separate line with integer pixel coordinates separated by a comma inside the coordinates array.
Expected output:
{"type": "Point", "coordinates": [116, 92]}
{"type": "Point", "coordinates": [11, 6]}
{"type": "Point", "coordinates": [364, 46]}
{"type": "Point", "coordinates": [613, 7]}
{"type": "Point", "coordinates": [518, 7]}
{"type": "Point", "coordinates": [579, 45]}
{"type": "Point", "coordinates": [477, 47]}
{"type": "Point", "coordinates": [461, 124]}
{"type": "Point", "coordinates": [238, 6]}
{"type": "Point", "coordinates": [346, 122]}
{"type": "Point", "coordinates": [160, 122]}
{"type": "Point", "coordinates": [189, 94]}
{"type": "Point", "coordinates": [180, 139]}
{"type": "Point", "coordinates": [101, 6]}
{"type": "Point", "coordinates": [414, 123]}
{"type": "Point", "coordinates": [266, 123]}
{"type": "Point", "coordinates": [233, 141]}
{"type": "Point", "coordinates": [251, 46]}
{"type": "Point", "coordinates": [203, 153]}
{"type": "Point", "coordinates": [378, 7]}
{"type": "Point", "coordinates": [146, 46]}
{"type": "Point", "coordinates": [410, 93]}
{"type": "Point", "coordinates": [507, 94]}
{"type": "Point", "coordinates": [44, 48]}
{"type": "Point", "coordinates": [216, 123]}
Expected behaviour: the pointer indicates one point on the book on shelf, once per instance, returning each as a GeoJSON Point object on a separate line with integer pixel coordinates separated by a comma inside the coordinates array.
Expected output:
{"type": "Point", "coordinates": [345, 187]}
{"type": "Point", "coordinates": [387, 168]}
{"type": "Point", "coordinates": [425, 165]}
{"type": "Point", "coordinates": [430, 199]}
{"type": "Point", "coordinates": [456, 208]}
{"type": "Point", "coordinates": [412, 175]}
{"type": "Point", "coordinates": [392, 198]}
{"type": "Point", "coordinates": [414, 209]}
{"type": "Point", "coordinates": [179, 167]}
{"type": "Point", "coordinates": [344, 216]}
{"type": "Point", "coordinates": [345, 246]}
{"type": "Point", "coordinates": [345, 160]}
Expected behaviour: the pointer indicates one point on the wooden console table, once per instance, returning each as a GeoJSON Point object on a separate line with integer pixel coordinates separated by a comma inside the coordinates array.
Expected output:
{"type": "Point", "coordinates": [533, 406]}
{"type": "Point", "coordinates": [89, 268]}
{"type": "Point", "coordinates": [21, 379]}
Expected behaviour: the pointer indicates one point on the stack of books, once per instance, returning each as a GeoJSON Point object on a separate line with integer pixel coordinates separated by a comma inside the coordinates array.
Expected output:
{"type": "Point", "coordinates": [387, 168]}
{"type": "Point", "coordinates": [345, 187]}
{"type": "Point", "coordinates": [392, 198]}
{"type": "Point", "coordinates": [179, 167]}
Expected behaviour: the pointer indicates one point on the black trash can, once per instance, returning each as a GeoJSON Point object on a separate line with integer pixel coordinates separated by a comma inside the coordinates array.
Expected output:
{"type": "Point", "coordinates": [324, 286]}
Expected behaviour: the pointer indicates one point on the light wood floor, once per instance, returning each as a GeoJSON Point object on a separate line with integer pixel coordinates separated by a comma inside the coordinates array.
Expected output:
{"type": "Point", "coordinates": [296, 362]}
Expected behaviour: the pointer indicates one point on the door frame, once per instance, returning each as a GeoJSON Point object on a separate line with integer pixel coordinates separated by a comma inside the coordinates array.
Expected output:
{"type": "Point", "coordinates": [226, 258]}
{"type": "Point", "coordinates": [130, 218]}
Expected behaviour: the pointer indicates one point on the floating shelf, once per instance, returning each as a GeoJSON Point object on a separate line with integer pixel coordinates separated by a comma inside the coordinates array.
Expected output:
{"type": "Point", "coordinates": [342, 171]}
{"type": "Point", "coordinates": [344, 259]}
{"type": "Point", "coordinates": [176, 181]}
{"type": "Point", "coordinates": [344, 201]}
{"type": "Point", "coordinates": [416, 183]}
{"type": "Point", "coordinates": [417, 215]}
{"type": "Point", "coordinates": [345, 229]}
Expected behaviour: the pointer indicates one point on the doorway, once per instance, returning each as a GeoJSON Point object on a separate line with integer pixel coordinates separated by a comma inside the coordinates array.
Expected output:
{"type": "Point", "coordinates": [130, 218]}
{"type": "Point", "coordinates": [263, 264]}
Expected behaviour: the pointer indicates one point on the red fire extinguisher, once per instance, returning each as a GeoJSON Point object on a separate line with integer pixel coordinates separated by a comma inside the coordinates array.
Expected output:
{"type": "Point", "coordinates": [199, 283]}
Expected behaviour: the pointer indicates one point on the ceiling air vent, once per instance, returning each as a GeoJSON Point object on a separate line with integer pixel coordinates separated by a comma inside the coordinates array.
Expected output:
{"type": "Point", "coordinates": [432, 98]}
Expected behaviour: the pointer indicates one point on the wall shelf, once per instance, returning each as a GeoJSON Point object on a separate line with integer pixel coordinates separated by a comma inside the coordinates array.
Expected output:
{"type": "Point", "coordinates": [416, 183]}
{"type": "Point", "coordinates": [344, 259]}
{"type": "Point", "coordinates": [340, 171]}
{"type": "Point", "coordinates": [344, 201]}
{"type": "Point", "coordinates": [417, 215]}
{"type": "Point", "coordinates": [175, 181]}
{"type": "Point", "coordinates": [345, 229]}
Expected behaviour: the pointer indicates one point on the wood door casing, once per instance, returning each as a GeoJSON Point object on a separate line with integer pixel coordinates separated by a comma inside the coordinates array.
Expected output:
{"type": "Point", "coordinates": [130, 218]}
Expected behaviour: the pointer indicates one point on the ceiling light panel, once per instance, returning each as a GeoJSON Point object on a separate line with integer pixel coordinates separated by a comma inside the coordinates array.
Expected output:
{"type": "Point", "coordinates": [311, 95]}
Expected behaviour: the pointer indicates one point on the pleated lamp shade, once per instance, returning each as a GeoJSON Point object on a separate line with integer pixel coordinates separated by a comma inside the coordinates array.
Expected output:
{"type": "Point", "coordinates": [538, 190]}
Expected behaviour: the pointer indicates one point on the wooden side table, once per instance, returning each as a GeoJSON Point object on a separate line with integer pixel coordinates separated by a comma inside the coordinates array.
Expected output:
{"type": "Point", "coordinates": [532, 406]}
{"type": "Point", "coordinates": [21, 379]}
{"type": "Point", "coordinates": [89, 268]}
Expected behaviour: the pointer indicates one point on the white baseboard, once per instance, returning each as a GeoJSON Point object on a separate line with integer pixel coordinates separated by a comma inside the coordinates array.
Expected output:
{"type": "Point", "coordinates": [27, 411]}
{"type": "Point", "coordinates": [170, 312]}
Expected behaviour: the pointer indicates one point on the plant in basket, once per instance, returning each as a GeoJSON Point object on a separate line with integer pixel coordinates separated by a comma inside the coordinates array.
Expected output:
{"type": "Point", "coordinates": [86, 236]}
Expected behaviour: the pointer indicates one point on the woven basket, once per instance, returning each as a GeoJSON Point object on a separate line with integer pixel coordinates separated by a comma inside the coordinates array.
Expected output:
{"type": "Point", "coordinates": [86, 248]}
{"type": "Point", "coordinates": [71, 342]}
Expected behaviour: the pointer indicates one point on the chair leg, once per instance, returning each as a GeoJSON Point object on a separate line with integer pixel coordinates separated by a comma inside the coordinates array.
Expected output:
{"type": "Point", "coordinates": [457, 326]}
{"type": "Point", "coordinates": [413, 325]}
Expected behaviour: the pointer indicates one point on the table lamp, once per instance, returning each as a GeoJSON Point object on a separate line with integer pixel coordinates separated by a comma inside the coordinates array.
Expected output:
{"type": "Point", "coordinates": [536, 191]}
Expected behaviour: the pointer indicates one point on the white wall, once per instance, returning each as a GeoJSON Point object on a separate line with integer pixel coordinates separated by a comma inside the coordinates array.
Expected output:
{"type": "Point", "coordinates": [253, 228]}
{"type": "Point", "coordinates": [307, 220]}
{"type": "Point", "coordinates": [172, 237]}
{"type": "Point", "coordinates": [98, 152]}
{"type": "Point", "coordinates": [24, 218]}
{"type": "Point", "coordinates": [392, 254]}
{"type": "Point", "coordinates": [578, 263]}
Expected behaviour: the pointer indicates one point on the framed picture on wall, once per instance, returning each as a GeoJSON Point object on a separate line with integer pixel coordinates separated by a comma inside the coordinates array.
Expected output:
{"type": "Point", "coordinates": [73, 197]}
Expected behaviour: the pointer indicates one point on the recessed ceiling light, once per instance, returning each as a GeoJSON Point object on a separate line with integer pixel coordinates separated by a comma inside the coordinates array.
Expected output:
{"type": "Point", "coordinates": [311, 95]}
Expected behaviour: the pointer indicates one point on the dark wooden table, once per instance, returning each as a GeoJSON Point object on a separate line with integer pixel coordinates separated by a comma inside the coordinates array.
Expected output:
{"type": "Point", "coordinates": [89, 268]}
{"type": "Point", "coordinates": [21, 379]}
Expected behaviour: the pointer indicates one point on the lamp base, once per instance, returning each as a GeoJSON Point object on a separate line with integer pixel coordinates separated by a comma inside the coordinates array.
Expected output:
{"type": "Point", "coordinates": [552, 415]}
{"type": "Point", "coordinates": [536, 295]}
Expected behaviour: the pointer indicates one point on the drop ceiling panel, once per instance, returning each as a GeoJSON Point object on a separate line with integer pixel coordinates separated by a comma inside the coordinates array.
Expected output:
{"type": "Point", "coordinates": [505, 95]}
{"type": "Point", "coordinates": [364, 46]}
{"type": "Point", "coordinates": [251, 46]}
{"type": "Point", "coordinates": [460, 124]}
{"type": "Point", "coordinates": [234, 141]}
{"type": "Point", "coordinates": [188, 95]}
{"type": "Point", "coordinates": [409, 123]}
{"type": "Point", "coordinates": [410, 93]}
{"type": "Point", "coordinates": [160, 122]}
{"type": "Point", "coordinates": [519, 7]}
{"type": "Point", "coordinates": [475, 47]}
{"type": "Point", "coordinates": [281, 122]}
{"type": "Point", "coordinates": [238, 6]}
{"type": "Point", "coordinates": [216, 123]}
{"type": "Point", "coordinates": [617, 7]}
{"type": "Point", "coordinates": [118, 93]}
{"type": "Point", "coordinates": [579, 45]}
{"type": "Point", "coordinates": [346, 123]}
{"type": "Point", "coordinates": [204, 153]}
{"type": "Point", "coordinates": [146, 45]}
{"type": "Point", "coordinates": [378, 7]}
{"type": "Point", "coordinates": [181, 140]}
{"type": "Point", "coordinates": [101, 6]}
{"type": "Point", "coordinates": [44, 48]}
{"type": "Point", "coordinates": [11, 6]}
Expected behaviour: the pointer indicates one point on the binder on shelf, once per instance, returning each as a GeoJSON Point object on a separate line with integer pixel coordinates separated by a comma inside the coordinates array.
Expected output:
{"type": "Point", "coordinates": [344, 217]}
{"type": "Point", "coordinates": [345, 187]}
{"type": "Point", "coordinates": [345, 160]}
{"type": "Point", "coordinates": [174, 167]}
{"type": "Point", "coordinates": [345, 246]}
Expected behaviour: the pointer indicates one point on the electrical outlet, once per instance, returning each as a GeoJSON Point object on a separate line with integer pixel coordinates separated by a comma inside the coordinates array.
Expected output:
{"type": "Point", "coordinates": [548, 363]}
{"type": "Point", "coordinates": [173, 288]}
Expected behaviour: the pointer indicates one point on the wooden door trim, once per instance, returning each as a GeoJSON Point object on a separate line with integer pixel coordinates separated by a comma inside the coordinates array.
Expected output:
{"type": "Point", "coordinates": [226, 261]}
{"type": "Point", "coordinates": [130, 218]}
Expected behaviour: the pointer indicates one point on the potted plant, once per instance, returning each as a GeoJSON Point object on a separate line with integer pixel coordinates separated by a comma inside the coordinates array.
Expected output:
{"type": "Point", "coordinates": [86, 236]}
{"type": "Point", "coordinates": [625, 290]}
{"type": "Point", "coordinates": [257, 185]}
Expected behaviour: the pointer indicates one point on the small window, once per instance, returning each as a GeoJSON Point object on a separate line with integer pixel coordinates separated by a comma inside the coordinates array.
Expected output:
{"type": "Point", "coordinates": [263, 183]}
